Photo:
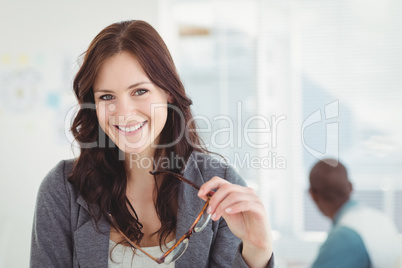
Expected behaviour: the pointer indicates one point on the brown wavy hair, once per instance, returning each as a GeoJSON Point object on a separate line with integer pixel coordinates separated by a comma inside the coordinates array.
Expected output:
{"type": "Point", "coordinates": [99, 174]}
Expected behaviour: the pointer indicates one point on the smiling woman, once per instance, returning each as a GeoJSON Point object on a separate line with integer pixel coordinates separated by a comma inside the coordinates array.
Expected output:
{"type": "Point", "coordinates": [100, 204]}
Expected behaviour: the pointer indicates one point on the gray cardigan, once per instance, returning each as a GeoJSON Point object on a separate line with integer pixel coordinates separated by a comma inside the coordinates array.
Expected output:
{"type": "Point", "coordinates": [64, 235]}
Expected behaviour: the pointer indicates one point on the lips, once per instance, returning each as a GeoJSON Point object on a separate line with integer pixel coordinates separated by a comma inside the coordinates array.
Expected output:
{"type": "Point", "coordinates": [131, 128]}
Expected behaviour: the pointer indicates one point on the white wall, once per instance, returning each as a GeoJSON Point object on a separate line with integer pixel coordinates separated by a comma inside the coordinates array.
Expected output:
{"type": "Point", "coordinates": [41, 40]}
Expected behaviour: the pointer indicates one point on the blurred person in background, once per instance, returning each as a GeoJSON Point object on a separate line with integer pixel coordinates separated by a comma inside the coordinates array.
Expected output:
{"type": "Point", "coordinates": [143, 183]}
{"type": "Point", "coordinates": [361, 237]}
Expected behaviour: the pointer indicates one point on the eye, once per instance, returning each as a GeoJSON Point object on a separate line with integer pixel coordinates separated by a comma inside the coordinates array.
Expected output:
{"type": "Point", "coordinates": [106, 97]}
{"type": "Point", "coordinates": [140, 92]}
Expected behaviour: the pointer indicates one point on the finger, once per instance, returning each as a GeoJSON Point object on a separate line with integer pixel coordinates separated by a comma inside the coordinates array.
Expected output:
{"type": "Point", "coordinates": [255, 207]}
{"type": "Point", "coordinates": [231, 199]}
{"type": "Point", "coordinates": [224, 190]}
{"type": "Point", "coordinates": [207, 187]}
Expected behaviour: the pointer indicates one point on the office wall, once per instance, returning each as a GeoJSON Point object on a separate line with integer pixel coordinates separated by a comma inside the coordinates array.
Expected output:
{"type": "Point", "coordinates": [271, 58]}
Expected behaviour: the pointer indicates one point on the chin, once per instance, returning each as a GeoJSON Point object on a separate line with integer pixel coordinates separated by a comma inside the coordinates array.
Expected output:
{"type": "Point", "coordinates": [142, 151]}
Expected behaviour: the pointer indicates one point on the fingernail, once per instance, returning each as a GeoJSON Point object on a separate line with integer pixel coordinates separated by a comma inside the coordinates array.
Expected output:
{"type": "Point", "coordinates": [213, 216]}
{"type": "Point", "coordinates": [228, 210]}
{"type": "Point", "coordinates": [209, 210]}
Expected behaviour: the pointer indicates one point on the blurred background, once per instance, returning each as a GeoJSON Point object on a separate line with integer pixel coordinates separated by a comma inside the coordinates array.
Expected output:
{"type": "Point", "coordinates": [307, 79]}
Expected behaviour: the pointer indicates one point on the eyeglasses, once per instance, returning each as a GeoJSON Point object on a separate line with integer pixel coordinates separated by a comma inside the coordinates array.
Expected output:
{"type": "Point", "coordinates": [177, 250]}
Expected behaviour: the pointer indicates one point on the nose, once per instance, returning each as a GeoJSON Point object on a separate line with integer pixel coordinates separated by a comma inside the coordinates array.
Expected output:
{"type": "Point", "coordinates": [125, 107]}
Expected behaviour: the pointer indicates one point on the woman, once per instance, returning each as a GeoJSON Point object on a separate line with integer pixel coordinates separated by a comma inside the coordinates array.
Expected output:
{"type": "Point", "coordinates": [135, 118]}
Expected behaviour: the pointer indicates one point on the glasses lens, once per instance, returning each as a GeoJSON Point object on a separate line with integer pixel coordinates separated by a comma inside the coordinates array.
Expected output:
{"type": "Point", "coordinates": [202, 223]}
{"type": "Point", "coordinates": [177, 252]}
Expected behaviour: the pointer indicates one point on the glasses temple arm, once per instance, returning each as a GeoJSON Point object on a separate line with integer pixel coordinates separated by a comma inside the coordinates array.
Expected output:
{"type": "Point", "coordinates": [180, 177]}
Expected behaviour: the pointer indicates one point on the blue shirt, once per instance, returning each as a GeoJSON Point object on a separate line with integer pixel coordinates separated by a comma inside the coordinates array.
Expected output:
{"type": "Point", "coordinates": [344, 248]}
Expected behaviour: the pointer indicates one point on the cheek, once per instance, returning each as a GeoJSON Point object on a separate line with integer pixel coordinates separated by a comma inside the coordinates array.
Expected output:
{"type": "Point", "coordinates": [160, 117]}
{"type": "Point", "coordinates": [102, 114]}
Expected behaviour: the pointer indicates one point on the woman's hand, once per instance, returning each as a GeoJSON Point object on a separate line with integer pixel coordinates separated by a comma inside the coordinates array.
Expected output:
{"type": "Point", "coordinates": [245, 215]}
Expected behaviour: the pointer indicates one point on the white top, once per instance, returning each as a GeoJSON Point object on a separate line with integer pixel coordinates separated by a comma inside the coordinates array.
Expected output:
{"type": "Point", "coordinates": [121, 256]}
{"type": "Point", "coordinates": [378, 232]}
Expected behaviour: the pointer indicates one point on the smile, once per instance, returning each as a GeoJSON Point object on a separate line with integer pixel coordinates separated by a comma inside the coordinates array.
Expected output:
{"type": "Point", "coordinates": [131, 128]}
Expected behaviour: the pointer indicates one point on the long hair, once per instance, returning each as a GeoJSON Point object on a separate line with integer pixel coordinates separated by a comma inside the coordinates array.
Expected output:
{"type": "Point", "coordinates": [99, 175]}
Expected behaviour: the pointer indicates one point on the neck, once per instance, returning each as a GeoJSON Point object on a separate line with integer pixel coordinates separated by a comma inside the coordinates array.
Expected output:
{"type": "Point", "coordinates": [139, 181]}
{"type": "Point", "coordinates": [336, 208]}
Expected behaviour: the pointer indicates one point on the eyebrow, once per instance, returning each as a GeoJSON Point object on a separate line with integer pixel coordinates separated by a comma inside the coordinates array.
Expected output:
{"type": "Point", "coordinates": [130, 87]}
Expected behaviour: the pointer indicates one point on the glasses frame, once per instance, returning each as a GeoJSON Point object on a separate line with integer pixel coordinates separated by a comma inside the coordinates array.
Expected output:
{"type": "Point", "coordinates": [182, 238]}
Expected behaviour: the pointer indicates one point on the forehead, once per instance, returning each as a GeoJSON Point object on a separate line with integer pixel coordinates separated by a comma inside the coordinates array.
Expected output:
{"type": "Point", "coordinates": [120, 70]}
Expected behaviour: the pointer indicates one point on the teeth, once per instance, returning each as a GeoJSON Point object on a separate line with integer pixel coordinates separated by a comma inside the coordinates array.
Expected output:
{"type": "Point", "coordinates": [131, 129]}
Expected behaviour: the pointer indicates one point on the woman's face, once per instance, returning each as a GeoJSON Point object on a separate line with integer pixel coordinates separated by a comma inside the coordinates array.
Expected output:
{"type": "Point", "coordinates": [131, 110]}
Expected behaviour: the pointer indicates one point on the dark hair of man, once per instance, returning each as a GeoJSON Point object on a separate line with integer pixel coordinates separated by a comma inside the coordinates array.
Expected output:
{"type": "Point", "coordinates": [99, 175]}
{"type": "Point", "coordinates": [329, 179]}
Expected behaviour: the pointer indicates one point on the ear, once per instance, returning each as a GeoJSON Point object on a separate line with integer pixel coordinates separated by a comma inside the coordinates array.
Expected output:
{"type": "Point", "coordinates": [313, 195]}
{"type": "Point", "coordinates": [170, 98]}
